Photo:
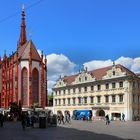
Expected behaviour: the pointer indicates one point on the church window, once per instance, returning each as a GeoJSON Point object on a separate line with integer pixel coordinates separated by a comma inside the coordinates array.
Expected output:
{"type": "Point", "coordinates": [24, 86]}
{"type": "Point", "coordinates": [35, 86]}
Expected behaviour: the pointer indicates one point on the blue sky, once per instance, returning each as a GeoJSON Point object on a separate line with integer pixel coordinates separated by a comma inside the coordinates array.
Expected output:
{"type": "Point", "coordinates": [76, 32]}
{"type": "Point", "coordinates": [83, 30]}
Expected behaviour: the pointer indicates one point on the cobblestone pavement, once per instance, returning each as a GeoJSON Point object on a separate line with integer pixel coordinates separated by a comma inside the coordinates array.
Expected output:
{"type": "Point", "coordinates": [77, 130]}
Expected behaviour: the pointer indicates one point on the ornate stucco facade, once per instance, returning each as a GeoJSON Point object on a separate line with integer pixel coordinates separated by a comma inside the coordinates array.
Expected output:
{"type": "Point", "coordinates": [23, 74]}
{"type": "Point", "coordinates": [111, 90]}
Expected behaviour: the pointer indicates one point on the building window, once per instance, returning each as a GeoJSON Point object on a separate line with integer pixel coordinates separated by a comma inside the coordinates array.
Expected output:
{"type": "Point", "coordinates": [107, 86]}
{"type": "Point", "coordinates": [98, 99]}
{"type": "Point", "coordinates": [106, 98]}
{"type": "Point", "coordinates": [91, 99]}
{"type": "Point", "coordinates": [59, 101]}
{"type": "Point", "coordinates": [138, 84]}
{"type": "Point", "coordinates": [85, 89]}
{"type": "Point", "coordinates": [79, 79]}
{"type": "Point", "coordinates": [121, 84]}
{"type": "Point", "coordinates": [79, 100]}
{"type": "Point", "coordinates": [68, 101]}
{"type": "Point", "coordinates": [73, 101]}
{"type": "Point", "coordinates": [68, 91]}
{"type": "Point", "coordinates": [98, 87]}
{"type": "Point", "coordinates": [133, 84]}
{"type": "Point", "coordinates": [85, 100]}
{"type": "Point", "coordinates": [64, 101]}
{"type": "Point", "coordinates": [133, 96]}
{"type": "Point", "coordinates": [56, 102]}
{"type": "Point", "coordinates": [113, 73]}
{"type": "Point", "coordinates": [24, 86]}
{"type": "Point", "coordinates": [59, 92]}
{"type": "Point", "coordinates": [120, 98]}
{"type": "Point", "coordinates": [64, 92]}
{"type": "Point", "coordinates": [91, 88]}
{"type": "Point", "coordinates": [113, 98]}
{"type": "Point", "coordinates": [85, 78]}
{"type": "Point", "coordinates": [138, 98]}
{"type": "Point", "coordinates": [113, 85]}
{"type": "Point", "coordinates": [73, 90]}
{"type": "Point", "coordinates": [79, 90]}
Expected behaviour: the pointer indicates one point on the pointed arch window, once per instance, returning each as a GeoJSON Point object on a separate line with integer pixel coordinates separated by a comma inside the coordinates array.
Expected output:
{"type": "Point", "coordinates": [24, 84]}
{"type": "Point", "coordinates": [35, 86]}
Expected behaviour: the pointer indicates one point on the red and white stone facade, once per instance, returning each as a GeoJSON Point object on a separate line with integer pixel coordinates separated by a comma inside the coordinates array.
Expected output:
{"type": "Point", "coordinates": [23, 75]}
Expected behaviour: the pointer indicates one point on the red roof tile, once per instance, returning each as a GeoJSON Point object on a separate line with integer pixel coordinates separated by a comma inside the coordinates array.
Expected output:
{"type": "Point", "coordinates": [98, 73]}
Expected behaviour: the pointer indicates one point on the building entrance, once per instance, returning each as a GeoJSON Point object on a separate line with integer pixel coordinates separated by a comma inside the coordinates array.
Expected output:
{"type": "Point", "coordinates": [100, 113]}
{"type": "Point", "coordinates": [116, 116]}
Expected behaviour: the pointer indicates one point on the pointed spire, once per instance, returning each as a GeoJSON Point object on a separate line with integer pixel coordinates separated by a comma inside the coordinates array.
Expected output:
{"type": "Point", "coordinates": [4, 57]}
{"type": "Point", "coordinates": [22, 39]}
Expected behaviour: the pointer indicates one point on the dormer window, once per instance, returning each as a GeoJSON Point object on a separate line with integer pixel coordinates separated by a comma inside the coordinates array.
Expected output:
{"type": "Point", "coordinates": [85, 78]}
{"type": "Point", "coordinates": [79, 79]}
{"type": "Point", "coordinates": [113, 73]}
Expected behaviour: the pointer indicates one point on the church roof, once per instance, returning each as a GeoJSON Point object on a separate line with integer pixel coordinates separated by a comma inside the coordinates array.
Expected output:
{"type": "Point", "coordinates": [24, 51]}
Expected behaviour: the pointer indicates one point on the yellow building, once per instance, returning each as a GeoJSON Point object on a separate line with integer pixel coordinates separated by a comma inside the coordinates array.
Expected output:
{"type": "Point", "coordinates": [110, 90]}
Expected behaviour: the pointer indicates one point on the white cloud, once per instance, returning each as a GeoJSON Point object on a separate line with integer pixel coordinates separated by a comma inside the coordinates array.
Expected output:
{"type": "Point", "coordinates": [136, 65]}
{"type": "Point", "coordinates": [131, 63]}
{"type": "Point", "coordinates": [58, 64]}
{"type": "Point", "coordinates": [125, 61]}
{"type": "Point", "coordinates": [95, 64]}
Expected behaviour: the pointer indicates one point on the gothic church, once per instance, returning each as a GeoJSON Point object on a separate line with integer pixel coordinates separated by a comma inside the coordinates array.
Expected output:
{"type": "Point", "coordinates": [23, 75]}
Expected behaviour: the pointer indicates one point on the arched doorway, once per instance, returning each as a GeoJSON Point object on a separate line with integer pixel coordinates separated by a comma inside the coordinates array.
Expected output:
{"type": "Point", "coordinates": [24, 86]}
{"type": "Point", "coordinates": [35, 86]}
{"type": "Point", "coordinates": [100, 113]}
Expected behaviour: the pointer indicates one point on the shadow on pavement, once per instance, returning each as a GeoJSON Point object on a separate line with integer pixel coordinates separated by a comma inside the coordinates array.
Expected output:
{"type": "Point", "coordinates": [13, 131]}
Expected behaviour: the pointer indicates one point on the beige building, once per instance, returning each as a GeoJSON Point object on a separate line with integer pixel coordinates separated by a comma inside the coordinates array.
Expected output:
{"type": "Point", "coordinates": [110, 90]}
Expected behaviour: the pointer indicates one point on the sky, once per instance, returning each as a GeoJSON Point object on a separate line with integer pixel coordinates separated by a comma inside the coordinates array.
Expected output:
{"type": "Point", "coordinates": [73, 33]}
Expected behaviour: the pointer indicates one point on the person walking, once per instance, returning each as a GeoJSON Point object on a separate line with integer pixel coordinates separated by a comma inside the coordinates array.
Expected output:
{"type": "Point", "coordinates": [23, 120]}
{"type": "Point", "coordinates": [123, 117]}
{"type": "Point", "coordinates": [62, 118]}
{"type": "Point", "coordinates": [107, 119]}
{"type": "Point", "coordinates": [67, 117]}
{"type": "Point", "coordinates": [1, 120]}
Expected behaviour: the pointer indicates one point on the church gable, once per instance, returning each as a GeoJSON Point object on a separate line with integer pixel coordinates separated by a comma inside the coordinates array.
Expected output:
{"type": "Point", "coordinates": [30, 47]}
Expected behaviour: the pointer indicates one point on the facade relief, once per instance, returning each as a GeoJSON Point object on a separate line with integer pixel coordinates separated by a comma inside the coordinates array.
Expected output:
{"type": "Point", "coordinates": [60, 83]}
{"type": "Point", "coordinates": [83, 77]}
{"type": "Point", "coordinates": [114, 73]}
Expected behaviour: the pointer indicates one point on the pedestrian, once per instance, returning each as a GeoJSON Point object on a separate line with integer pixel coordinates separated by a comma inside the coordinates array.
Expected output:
{"type": "Point", "coordinates": [62, 118]}
{"type": "Point", "coordinates": [123, 117]}
{"type": "Point", "coordinates": [58, 119]}
{"type": "Point", "coordinates": [1, 120]}
{"type": "Point", "coordinates": [90, 117]}
{"type": "Point", "coordinates": [23, 121]}
{"type": "Point", "coordinates": [107, 119]}
{"type": "Point", "coordinates": [67, 117]}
